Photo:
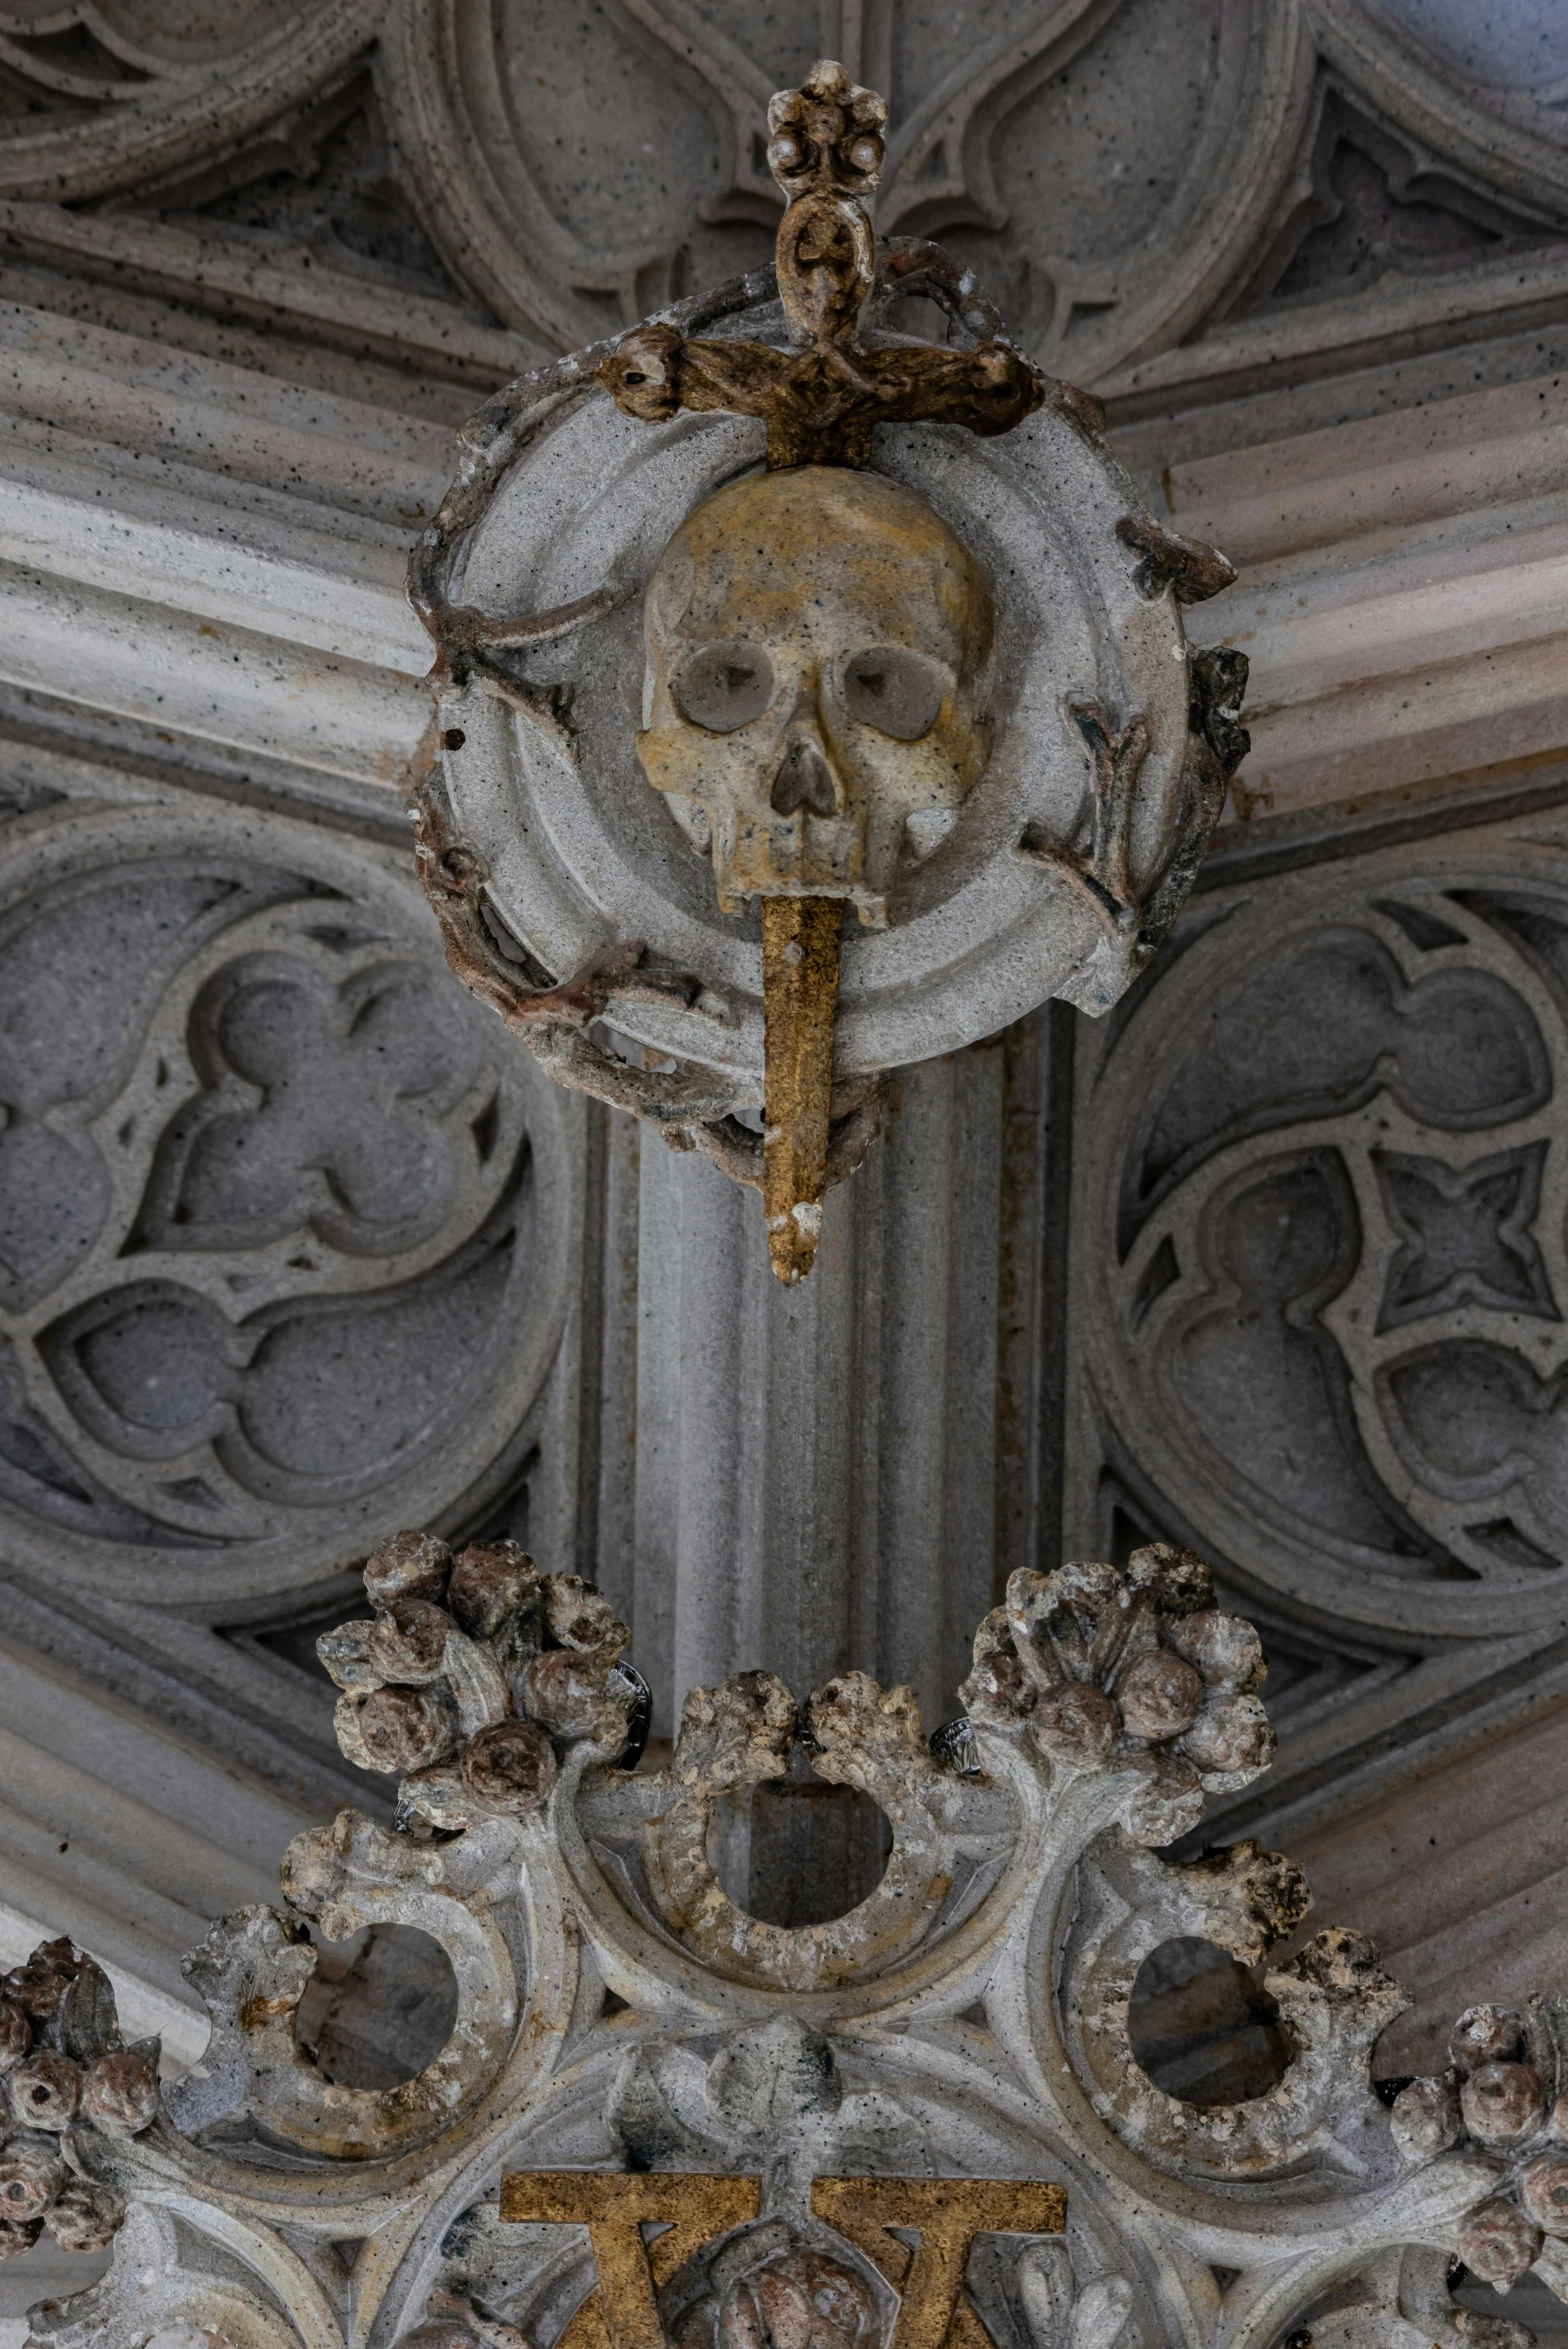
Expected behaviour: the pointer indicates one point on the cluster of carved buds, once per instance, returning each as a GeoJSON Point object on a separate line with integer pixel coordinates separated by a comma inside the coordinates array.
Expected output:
{"type": "Point", "coordinates": [66, 2075]}
{"type": "Point", "coordinates": [471, 1675]}
{"type": "Point", "coordinates": [827, 135]}
{"type": "Point", "coordinates": [1501, 2098]}
{"type": "Point", "coordinates": [1133, 1671]}
{"type": "Point", "coordinates": [798, 2298]}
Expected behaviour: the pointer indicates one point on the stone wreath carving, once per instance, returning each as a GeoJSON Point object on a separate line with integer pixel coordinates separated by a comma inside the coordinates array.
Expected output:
{"type": "Point", "coordinates": [929, 665]}
{"type": "Point", "coordinates": [658, 2119]}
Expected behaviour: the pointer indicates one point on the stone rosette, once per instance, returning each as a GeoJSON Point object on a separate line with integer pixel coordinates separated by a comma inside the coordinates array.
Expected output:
{"type": "Point", "coordinates": [1136, 1672]}
{"type": "Point", "coordinates": [1504, 2098]}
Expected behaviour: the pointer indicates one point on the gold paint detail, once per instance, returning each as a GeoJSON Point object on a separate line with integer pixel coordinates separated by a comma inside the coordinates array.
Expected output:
{"type": "Point", "coordinates": [800, 942]}
{"type": "Point", "coordinates": [839, 811]}
{"type": "Point", "coordinates": [622, 2312]}
{"type": "Point", "coordinates": [948, 2214]}
{"type": "Point", "coordinates": [822, 399]}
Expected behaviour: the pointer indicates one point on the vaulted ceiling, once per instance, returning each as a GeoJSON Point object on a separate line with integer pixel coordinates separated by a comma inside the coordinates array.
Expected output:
{"type": "Point", "coordinates": [1128, 177]}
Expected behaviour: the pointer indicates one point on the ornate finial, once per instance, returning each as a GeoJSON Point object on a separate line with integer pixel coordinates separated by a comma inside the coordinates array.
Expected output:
{"type": "Point", "coordinates": [825, 150]}
{"type": "Point", "coordinates": [822, 400]}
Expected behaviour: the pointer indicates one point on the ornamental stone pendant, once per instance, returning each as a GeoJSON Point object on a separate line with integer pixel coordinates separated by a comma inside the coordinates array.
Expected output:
{"type": "Point", "coordinates": [767, 614]}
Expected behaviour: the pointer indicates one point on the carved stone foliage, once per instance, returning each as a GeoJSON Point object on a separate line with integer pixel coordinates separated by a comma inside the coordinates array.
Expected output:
{"type": "Point", "coordinates": [1120, 174]}
{"type": "Point", "coordinates": [1322, 1269]}
{"type": "Point", "coordinates": [1499, 2098]}
{"type": "Point", "coordinates": [282, 1220]}
{"type": "Point", "coordinates": [469, 1669]}
{"type": "Point", "coordinates": [658, 2118]}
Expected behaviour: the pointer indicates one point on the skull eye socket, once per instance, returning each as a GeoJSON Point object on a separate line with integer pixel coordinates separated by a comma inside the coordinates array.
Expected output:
{"type": "Point", "coordinates": [898, 691]}
{"type": "Point", "coordinates": [722, 686]}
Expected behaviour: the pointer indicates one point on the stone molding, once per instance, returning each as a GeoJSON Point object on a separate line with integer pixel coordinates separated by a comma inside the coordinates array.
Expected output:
{"type": "Point", "coordinates": [969, 2019]}
{"type": "Point", "coordinates": [1354, 1516]}
{"type": "Point", "coordinates": [543, 214]}
{"type": "Point", "coordinates": [1403, 1674]}
{"type": "Point", "coordinates": [1384, 551]}
{"type": "Point", "coordinates": [265, 1126]}
{"type": "Point", "coordinates": [292, 405]}
{"type": "Point", "coordinates": [914, 1473]}
{"type": "Point", "coordinates": [189, 544]}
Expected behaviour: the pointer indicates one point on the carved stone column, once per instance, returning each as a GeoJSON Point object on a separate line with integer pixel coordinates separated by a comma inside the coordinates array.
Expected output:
{"type": "Point", "coordinates": [840, 1474]}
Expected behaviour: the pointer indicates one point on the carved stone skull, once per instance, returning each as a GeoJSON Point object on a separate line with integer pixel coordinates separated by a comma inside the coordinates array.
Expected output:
{"type": "Point", "coordinates": [818, 643]}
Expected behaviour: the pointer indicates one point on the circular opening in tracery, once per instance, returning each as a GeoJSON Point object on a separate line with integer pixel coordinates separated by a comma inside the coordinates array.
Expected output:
{"type": "Point", "coordinates": [379, 2007]}
{"type": "Point", "coordinates": [1203, 2028]}
{"type": "Point", "coordinates": [797, 1851]}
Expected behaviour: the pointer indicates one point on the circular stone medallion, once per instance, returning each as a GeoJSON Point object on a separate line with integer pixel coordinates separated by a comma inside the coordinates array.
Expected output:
{"type": "Point", "coordinates": [1054, 876]}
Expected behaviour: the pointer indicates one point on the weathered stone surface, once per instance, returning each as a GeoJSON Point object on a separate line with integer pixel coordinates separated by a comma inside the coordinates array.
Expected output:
{"type": "Point", "coordinates": [280, 1232]}
{"type": "Point", "coordinates": [791, 2100]}
{"type": "Point", "coordinates": [470, 1719]}
{"type": "Point", "coordinates": [208, 497]}
{"type": "Point", "coordinates": [800, 575]}
{"type": "Point", "coordinates": [1309, 1306]}
{"type": "Point", "coordinates": [1009, 873]}
{"type": "Point", "coordinates": [429, 211]}
{"type": "Point", "coordinates": [78, 2095]}
{"type": "Point", "coordinates": [1090, 1660]}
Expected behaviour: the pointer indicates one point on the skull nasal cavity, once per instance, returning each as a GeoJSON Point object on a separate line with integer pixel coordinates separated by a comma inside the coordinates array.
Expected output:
{"type": "Point", "coordinates": [804, 780]}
